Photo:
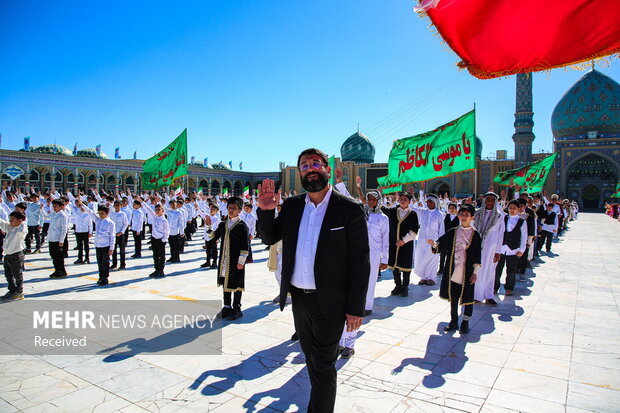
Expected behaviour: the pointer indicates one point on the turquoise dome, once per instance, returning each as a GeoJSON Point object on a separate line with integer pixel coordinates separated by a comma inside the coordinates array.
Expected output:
{"type": "Point", "coordinates": [478, 147]}
{"type": "Point", "coordinates": [220, 166]}
{"type": "Point", "coordinates": [91, 153]}
{"type": "Point", "coordinates": [591, 104]}
{"type": "Point", "coordinates": [53, 149]}
{"type": "Point", "coordinates": [357, 148]}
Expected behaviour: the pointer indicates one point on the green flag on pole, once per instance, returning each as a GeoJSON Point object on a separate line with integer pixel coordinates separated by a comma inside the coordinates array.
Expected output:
{"type": "Point", "coordinates": [161, 169]}
{"type": "Point", "coordinates": [246, 191]}
{"type": "Point", "coordinates": [225, 191]}
{"type": "Point", "coordinates": [331, 162]}
{"type": "Point", "coordinates": [531, 177]}
{"type": "Point", "coordinates": [199, 190]}
{"type": "Point", "coordinates": [616, 193]}
{"type": "Point", "coordinates": [387, 187]}
{"type": "Point", "coordinates": [446, 150]}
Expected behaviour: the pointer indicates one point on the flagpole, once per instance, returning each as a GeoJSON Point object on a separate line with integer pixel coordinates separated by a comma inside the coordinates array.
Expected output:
{"type": "Point", "coordinates": [476, 161]}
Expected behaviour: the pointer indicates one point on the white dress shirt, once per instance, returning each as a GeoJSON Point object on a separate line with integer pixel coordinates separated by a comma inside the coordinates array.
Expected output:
{"type": "Point", "coordinates": [176, 221]}
{"type": "Point", "coordinates": [308, 238]}
{"type": "Point", "coordinates": [161, 227]}
{"type": "Point", "coordinates": [120, 221]}
{"type": "Point", "coordinates": [14, 238]}
{"type": "Point", "coordinates": [82, 220]}
{"type": "Point", "coordinates": [250, 221]}
{"type": "Point", "coordinates": [59, 225]}
{"type": "Point", "coordinates": [106, 232]}
{"type": "Point", "coordinates": [137, 219]}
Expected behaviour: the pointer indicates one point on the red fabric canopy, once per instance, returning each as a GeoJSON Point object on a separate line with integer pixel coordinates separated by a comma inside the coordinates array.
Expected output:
{"type": "Point", "coordinates": [503, 37]}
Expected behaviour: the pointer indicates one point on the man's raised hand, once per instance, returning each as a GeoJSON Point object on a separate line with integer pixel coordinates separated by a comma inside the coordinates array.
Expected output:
{"type": "Point", "coordinates": [266, 195]}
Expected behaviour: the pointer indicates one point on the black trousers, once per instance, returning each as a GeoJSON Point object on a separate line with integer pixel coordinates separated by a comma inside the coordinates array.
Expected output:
{"type": "Point", "coordinates": [46, 226]}
{"type": "Point", "coordinates": [119, 247]}
{"type": "Point", "coordinates": [454, 304]}
{"type": "Point", "coordinates": [188, 230]}
{"type": "Point", "coordinates": [404, 281]}
{"type": "Point", "coordinates": [127, 236]}
{"type": "Point", "coordinates": [103, 262]}
{"type": "Point", "coordinates": [236, 302]}
{"type": "Point", "coordinates": [522, 262]}
{"type": "Point", "coordinates": [137, 239]}
{"type": "Point", "coordinates": [211, 251]}
{"type": "Point", "coordinates": [58, 257]}
{"type": "Point", "coordinates": [13, 271]}
{"type": "Point", "coordinates": [546, 237]}
{"type": "Point", "coordinates": [511, 262]}
{"type": "Point", "coordinates": [65, 247]}
{"type": "Point", "coordinates": [33, 231]}
{"type": "Point", "coordinates": [159, 254]}
{"type": "Point", "coordinates": [2, 235]}
{"type": "Point", "coordinates": [82, 244]}
{"type": "Point", "coordinates": [319, 336]}
{"type": "Point", "coordinates": [443, 258]}
{"type": "Point", "coordinates": [175, 247]}
{"type": "Point", "coordinates": [250, 256]}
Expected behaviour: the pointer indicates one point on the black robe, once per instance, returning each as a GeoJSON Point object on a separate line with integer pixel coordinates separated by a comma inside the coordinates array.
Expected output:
{"type": "Point", "coordinates": [235, 241]}
{"type": "Point", "coordinates": [401, 258]}
{"type": "Point", "coordinates": [446, 243]}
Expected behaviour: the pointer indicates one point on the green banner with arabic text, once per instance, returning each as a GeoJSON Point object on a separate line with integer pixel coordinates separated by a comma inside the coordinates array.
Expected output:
{"type": "Point", "coordinates": [446, 150]}
{"type": "Point", "coordinates": [531, 177]}
{"type": "Point", "coordinates": [387, 187]}
{"type": "Point", "coordinates": [162, 168]}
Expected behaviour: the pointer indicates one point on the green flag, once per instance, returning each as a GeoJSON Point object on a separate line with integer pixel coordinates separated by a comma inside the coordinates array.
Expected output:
{"type": "Point", "coordinates": [531, 177]}
{"type": "Point", "coordinates": [199, 190]}
{"type": "Point", "coordinates": [446, 150]}
{"type": "Point", "coordinates": [161, 169]}
{"type": "Point", "coordinates": [225, 191]}
{"type": "Point", "coordinates": [246, 191]}
{"type": "Point", "coordinates": [616, 193]}
{"type": "Point", "coordinates": [387, 187]}
{"type": "Point", "coordinates": [331, 162]}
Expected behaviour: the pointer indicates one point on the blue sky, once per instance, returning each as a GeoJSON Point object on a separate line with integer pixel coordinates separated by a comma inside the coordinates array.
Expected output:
{"type": "Point", "coordinates": [252, 81]}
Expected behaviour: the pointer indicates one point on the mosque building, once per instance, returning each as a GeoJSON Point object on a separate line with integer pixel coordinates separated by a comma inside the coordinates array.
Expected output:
{"type": "Point", "coordinates": [585, 127]}
{"type": "Point", "coordinates": [47, 166]}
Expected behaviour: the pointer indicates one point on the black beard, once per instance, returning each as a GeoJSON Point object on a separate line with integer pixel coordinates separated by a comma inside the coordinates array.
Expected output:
{"type": "Point", "coordinates": [314, 186]}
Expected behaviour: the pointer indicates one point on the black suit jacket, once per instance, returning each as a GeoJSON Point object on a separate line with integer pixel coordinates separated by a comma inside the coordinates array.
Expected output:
{"type": "Point", "coordinates": [342, 264]}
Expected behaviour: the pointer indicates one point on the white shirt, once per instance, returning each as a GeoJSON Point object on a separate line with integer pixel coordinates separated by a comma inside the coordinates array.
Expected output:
{"type": "Point", "coordinates": [250, 221]}
{"type": "Point", "coordinates": [106, 232]}
{"type": "Point", "coordinates": [82, 220]}
{"type": "Point", "coordinates": [308, 238]}
{"type": "Point", "coordinates": [59, 224]}
{"type": "Point", "coordinates": [161, 228]}
{"type": "Point", "coordinates": [120, 221]}
{"type": "Point", "coordinates": [176, 220]}
{"type": "Point", "coordinates": [137, 219]}
{"type": "Point", "coordinates": [14, 238]}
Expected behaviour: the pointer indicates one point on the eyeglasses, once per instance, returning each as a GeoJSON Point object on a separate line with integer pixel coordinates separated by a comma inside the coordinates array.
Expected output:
{"type": "Point", "coordinates": [314, 165]}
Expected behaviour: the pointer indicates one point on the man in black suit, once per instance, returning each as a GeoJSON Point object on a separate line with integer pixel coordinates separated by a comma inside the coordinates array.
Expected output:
{"type": "Point", "coordinates": [325, 266]}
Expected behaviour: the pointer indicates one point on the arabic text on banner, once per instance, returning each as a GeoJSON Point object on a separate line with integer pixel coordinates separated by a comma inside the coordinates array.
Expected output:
{"type": "Point", "coordinates": [162, 168]}
{"type": "Point", "coordinates": [531, 177]}
{"type": "Point", "coordinates": [443, 151]}
{"type": "Point", "coordinates": [388, 187]}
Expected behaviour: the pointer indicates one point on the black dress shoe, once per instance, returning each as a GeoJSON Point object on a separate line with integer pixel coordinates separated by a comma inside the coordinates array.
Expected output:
{"type": "Point", "coordinates": [122, 267]}
{"type": "Point", "coordinates": [490, 302]}
{"type": "Point", "coordinates": [396, 290]}
{"type": "Point", "coordinates": [295, 337]}
{"type": "Point", "coordinates": [451, 327]}
{"type": "Point", "coordinates": [159, 274]}
{"type": "Point", "coordinates": [464, 327]}
{"type": "Point", "coordinates": [340, 348]}
{"type": "Point", "coordinates": [234, 314]}
{"type": "Point", "coordinates": [368, 312]}
{"type": "Point", "coordinates": [112, 267]}
{"type": "Point", "coordinates": [347, 353]}
{"type": "Point", "coordinates": [79, 262]}
{"type": "Point", "coordinates": [404, 291]}
{"type": "Point", "coordinates": [59, 275]}
{"type": "Point", "coordinates": [152, 275]}
{"type": "Point", "coordinates": [205, 265]}
{"type": "Point", "coordinates": [213, 265]}
{"type": "Point", "coordinates": [225, 312]}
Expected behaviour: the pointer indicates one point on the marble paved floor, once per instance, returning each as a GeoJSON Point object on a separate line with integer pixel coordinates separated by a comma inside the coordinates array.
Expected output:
{"type": "Point", "coordinates": [550, 348]}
